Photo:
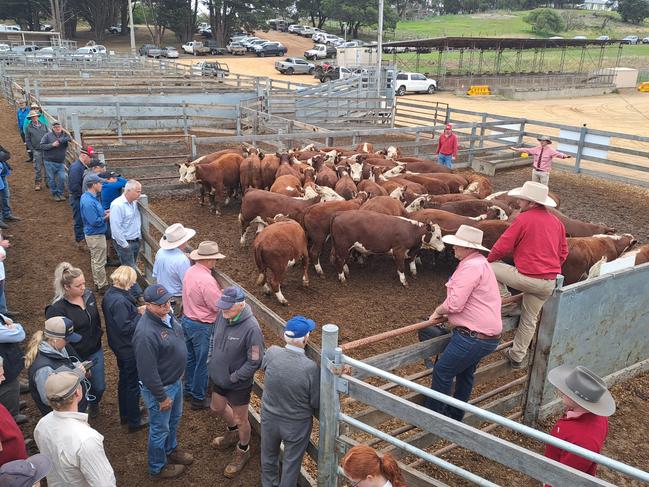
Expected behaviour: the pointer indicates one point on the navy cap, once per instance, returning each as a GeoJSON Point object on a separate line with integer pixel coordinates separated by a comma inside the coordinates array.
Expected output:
{"type": "Point", "coordinates": [298, 327]}
{"type": "Point", "coordinates": [25, 473]}
{"type": "Point", "coordinates": [157, 294]}
{"type": "Point", "coordinates": [96, 163]}
{"type": "Point", "coordinates": [61, 327]}
{"type": "Point", "coordinates": [231, 296]}
{"type": "Point", "coordinates": [108, 174]}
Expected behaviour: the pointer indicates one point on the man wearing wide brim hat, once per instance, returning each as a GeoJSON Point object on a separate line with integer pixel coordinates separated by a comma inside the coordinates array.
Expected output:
{"type": "Point", "coordinates": [588, 403]}
{"type": "Point", "coordinates": [200, 292]}
{"type": "Point", "coordinates": [472, 309]}
{"type": "Point", "coordinates": [171, 263]}
{"type": "Point", "coordinates": [536, 240]}
{"type": "Point", "coordinates": [35, 128]}
{"type": "Point", "coordinates": [542, 156]}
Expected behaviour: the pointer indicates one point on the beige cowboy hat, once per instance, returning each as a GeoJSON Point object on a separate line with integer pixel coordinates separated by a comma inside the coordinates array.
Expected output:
{"type": "Point", "coordinates": [584, 387]}
{"type": "Point", "coordinates": [544, 138]}
{"type": "Point", "coordinates": [206, 250]}
{"type": "Point", "coordinates": [466, 236]}
{"type": "Point", "coordinates": [534, 192]}
{"type": "Point", "coordinates": [175, 235]}
{"type": "Point", "coordinates": [33, 113]}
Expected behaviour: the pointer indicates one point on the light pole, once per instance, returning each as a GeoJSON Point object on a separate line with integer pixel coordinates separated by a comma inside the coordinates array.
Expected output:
{"type": "Point", "coordinates": [130, 26]}
{"type": "Point", "coordinates": [379, 54]}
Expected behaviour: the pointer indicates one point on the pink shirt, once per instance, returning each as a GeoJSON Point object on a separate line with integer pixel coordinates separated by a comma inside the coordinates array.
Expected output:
{"type": "Point", "coordinates": [542, 157]}
{"type": "Point", "coordinates": [200, 294]}
{"type": "Point", "coordinates": [472, 296]}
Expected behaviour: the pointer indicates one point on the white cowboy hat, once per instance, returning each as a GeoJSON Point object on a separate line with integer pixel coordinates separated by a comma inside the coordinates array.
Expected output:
{"type": "Point", "coordinates": [175, 235]}
{"type": "Point", "coordinates": [584, 387]}
{"type": "Point", "coordinates": [206, 250]}
{"type": "Point", "coordinates": [466, 236]}
{"type": "Point", "coordinates": [535, 192]}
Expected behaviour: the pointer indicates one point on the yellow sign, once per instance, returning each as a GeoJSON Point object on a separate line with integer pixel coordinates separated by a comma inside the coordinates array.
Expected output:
{"type": "Point", "coordinates": [644, 87]}
{"type": "Point", "coordinates": [477, 90]}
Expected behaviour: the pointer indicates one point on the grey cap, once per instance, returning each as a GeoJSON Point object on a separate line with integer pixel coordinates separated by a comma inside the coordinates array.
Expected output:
{"type": "Point", "coordinates": [92, 179]}
{"type": "Point", "coordinates": [55, 122]}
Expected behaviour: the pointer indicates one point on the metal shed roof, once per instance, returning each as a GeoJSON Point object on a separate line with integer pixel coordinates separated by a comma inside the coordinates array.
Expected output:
{"type": "Point", "coordinates": [494, 43]}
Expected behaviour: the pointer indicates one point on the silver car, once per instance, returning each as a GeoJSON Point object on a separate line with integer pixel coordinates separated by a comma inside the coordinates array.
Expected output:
{"type": "Point", "coordinates": [169, 52]}
{"type": "Point", "coordinates": [294, 65]}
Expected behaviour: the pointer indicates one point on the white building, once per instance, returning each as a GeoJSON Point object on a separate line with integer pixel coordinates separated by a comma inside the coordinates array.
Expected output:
{"type": "Point", "coordinates": [598, 5]}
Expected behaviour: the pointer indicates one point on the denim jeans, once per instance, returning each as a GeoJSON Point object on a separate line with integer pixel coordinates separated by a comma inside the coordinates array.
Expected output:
{"type": "Point", "coordinates": [128, 391]}
{"type": "Point", "coordinates": [459, 360]}
{"type": "Point", "coordinates": [97, 378]}
{"type": "Point", "coordinates": [56, 177]}
{"type": "Point", "coordinates": [4, 194]}
{"type": "Point", "coordinates": [128, 256]}
{"type": "Point", "coordinates": [162, 425]}
{"type": "Point", "coordinates": [197, 337]}
{"type": "Point", "coordinates": [3, 297]}
{"type": "Point", "coordinates": [445, 160]}
{"type": "Point", "coordinates": [77, 222]}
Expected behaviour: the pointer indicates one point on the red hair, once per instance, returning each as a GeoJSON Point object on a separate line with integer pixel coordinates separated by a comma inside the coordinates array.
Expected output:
{"type": "Point", "coordinates": [363, 460]}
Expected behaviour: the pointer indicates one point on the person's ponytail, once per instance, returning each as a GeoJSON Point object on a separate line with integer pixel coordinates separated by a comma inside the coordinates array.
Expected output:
{"type": "Point", "coordinates": [32, 348]}
{"type": "Point", "coordinates": [391, 471]}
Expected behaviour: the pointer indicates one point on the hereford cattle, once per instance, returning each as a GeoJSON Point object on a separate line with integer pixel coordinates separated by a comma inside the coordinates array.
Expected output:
{"type": "Point", "coordinates": [447, 198]}
{"type": "Point", "coordinates": [391, 152]}
{"type": "Point", "coordinates": [285, 168]}
{"type": "Point", "coordinates": [392, 183]}
{"type": "Point", "coordinates": [426, 166]}
{"type": "Point", "coordinates": [259, 205]}
{"type": "Point", "coordinates": [641, 254]}
{"type": "Point", "coordinates": [478, 185]}
{"type": "Point", "coordinates": [269, 167]}
{"type": "Point", "coordinates": [215, 178]}
{"type": "Point", "coordinates": [250, 171]}
{"type": "Point", "coordinates": [477, 207]}
{"type": "Point", "coordinates": [371, 188]}
{"type": "Point", "coordinates": [447, 221]}
{"type": "Point", "coordinates": [455, 182]}
{"type": "Point", "coordinates": [491, 230]}
{"type": "Point", "coordinates": [433, 186]}
{"type": "Point", "coordinates": [584, 252]}
{"type": "Point", "coordinates": [365, 232]}
{"type": "Point", "coordinates": [242, 151]}
{"type": "Point", "coordinates": [288, 185]}
{"type": "Point", "coordinates": [365, 147]}
{"type": "Point", "coordinates": [277, 247]}
{"type": "Point", "coordinates": [325, 193]}
{"type": "Point", "coordinates": [326, 177]}
{"type": "Point", "coordinates": [577, 228]}
{"type": "Point", "coordinates": [345, 187]}
{"type": "Point", "coordinates": [385, 205]}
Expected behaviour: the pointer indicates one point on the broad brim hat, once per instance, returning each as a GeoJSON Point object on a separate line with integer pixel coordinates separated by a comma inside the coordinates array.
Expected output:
{"type": "Point", "coordinates": [534, 192]}
{"type": "Point", "coordinates": [466, 236]}
{"type": "Point", "coordinates": [207, 250]}
{"type": "Point", "coordinates": [175, 235]}
{"type": "Point", "coordinates": [545, 138]}
{"type": "Point", "coordinates": [584, 387]}
{"type": "Point", "coordinates": [33, 113]}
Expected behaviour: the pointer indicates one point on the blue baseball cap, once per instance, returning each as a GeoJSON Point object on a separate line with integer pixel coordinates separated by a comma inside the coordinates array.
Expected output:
{"type": "Point", "coordinates": [298, 327]}
{"type": "Point", "coordinates": [157, 294]}
{"type": "Point", "coordinates": [231, 296]}
{"type": "Point", "coordinates": [25, 473]}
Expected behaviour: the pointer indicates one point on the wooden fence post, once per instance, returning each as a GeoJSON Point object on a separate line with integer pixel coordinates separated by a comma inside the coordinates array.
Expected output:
{"type": "Point", "coordinates": [146, 248]}
{"type": "Point", "coordinates": [482, 129]}
{"type": "Point", "coordinates": [580, 147]}
{"type": "Point", "coordinates": [329, 407]}
{"type": "Point", "coordinates": [472, 139]}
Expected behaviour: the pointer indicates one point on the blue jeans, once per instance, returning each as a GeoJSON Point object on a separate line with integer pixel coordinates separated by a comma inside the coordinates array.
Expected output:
{"type": "Point", "coordinates": [128, 256]}
{"type": "Point", "coordinates": [163, 425]}
{"type": "Point", "coordinates": [197, 337]}
{"type": "Point", "coordinates": [97, 378]}
{"type": "Point", "coordinates": [128, 391]}
{"type": "Point", "coordinates": [4, 194]}
{"type": "Point", "coordinates": [77, 222]}
{"type": "Point", "coordinates": [445, 160]}
{"type": "Point", "coordinates": [3, 298]}
{"type": "Point", "coordinates": [459, 360]}
{"type": "Point", "coordinates": [56, 177]}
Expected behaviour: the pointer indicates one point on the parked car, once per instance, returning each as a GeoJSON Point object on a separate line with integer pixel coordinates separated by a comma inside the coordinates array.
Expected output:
{"type": "Point", "coordinates": [9, 28]}
{"type": "Point", "coordinates": [51, 52]}
{"type": "Point", "coordinates": [308, 31]}
{"type": "Point", "coordinates": [247, 40]}
{"type": "Point", "coordinates": [169, 52]}
{"type": "Point", "coordinates": [195, 48]}
{"type": "Point", "coordinates": [149, 50]}
{"type": "Point", "coordinates": [86, 53]}
{"type": "Point", "coordinates": [294, 28]}
{"type": "Point", "coordinates": [215, 48]}
{"type": "Point", "coordinates": [296, 65]}
{"type": "Point", "coordinates": [270, 49]}
{"type": "Point", "coordinates": [630, 40]}
{"type": "Point", "coordinates": [353, 43]}
{"type": "Point", "coordinates": [580, 38]}
{"type": "Point", "coordinates": [320, 51]}
{"type": "Point", "coordinates": [236, 48]}
{"type": "Point", "coordinates": [645, 40]}
{"type": "Point", "coordinates": [212, 68]}
{"type": "Point", "coordinates": [5, 48]}
{"type": "Point", "coordinates": [115, 29]}
{"type": "Point", "coordinates": [46, 28]}
{"type": "Point", "coordinates": [317, 35]}
{"type": "Point", "coordinates": [331, 73]}
{"type": "Point", "coordinates": [413, 82]}
{"type": "Point", "coordinates": [25, 49]}
{"type": "Point", "coordinates": [330, 38]}
{"type": "Point", "coordinates": [252, 46]}
{"type": "Point", "coordinates": [603, 38]}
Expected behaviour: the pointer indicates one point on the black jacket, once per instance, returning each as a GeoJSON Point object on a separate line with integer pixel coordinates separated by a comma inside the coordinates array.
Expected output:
{"type": "Point", "coordinates": [86, 322]}
{"type": "Point", "coordinates": [121, 317]}
{"type": "Point", "coordinates": [51, 153]}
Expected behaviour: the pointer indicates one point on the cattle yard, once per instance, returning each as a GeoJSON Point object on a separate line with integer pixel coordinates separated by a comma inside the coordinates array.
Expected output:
{"type": "Point", "coordinates": [373, 301]}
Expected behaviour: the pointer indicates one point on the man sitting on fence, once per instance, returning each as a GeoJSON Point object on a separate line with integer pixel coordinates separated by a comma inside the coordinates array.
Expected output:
{"type": "Point", "coordinates": [472, 306]}
{"type": "Point", "coordinates": [542, 158]}
{"type": "Point", "coordinates": [537, 241]}
{"type": "Point", "coordinates": [588, 404]}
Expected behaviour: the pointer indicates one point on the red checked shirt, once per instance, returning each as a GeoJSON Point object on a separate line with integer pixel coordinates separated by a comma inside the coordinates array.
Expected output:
{"type": "Point", "coordinates": [542, 157]}
{"type": "Point", "coordinates": [472, 296]}
{"type": "Point", "coordinates": [447, 145]}
{"type": "Point", "coordinates": [586, 430]}
{"type": "Point", "coordinates": [537, 241]}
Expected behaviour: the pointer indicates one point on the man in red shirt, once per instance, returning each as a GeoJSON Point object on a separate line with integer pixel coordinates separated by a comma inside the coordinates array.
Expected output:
{"type": "Point", "coordinates": [12, 443]}
{"type": "Point", "coordinates": [537, 242]}
{"type": "Point", "coordinates": [585, 422]}
{"type": "Point", "coordinates": [447, 146]}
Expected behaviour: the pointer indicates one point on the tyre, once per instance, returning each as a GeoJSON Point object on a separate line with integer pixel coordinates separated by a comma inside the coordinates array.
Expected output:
{"type": "Point", "coordinates": [328, 78]}
{"type": "Point", "coordinates": [261, 54]}
{"type": "Point", "coordinates": [431, 89]}
{"type": "Point", "coordinates": [401, 91]}
{"type": "Point", "coordinates": [289, 71]}
{"type": "Point", "coordinates": [311, 71]}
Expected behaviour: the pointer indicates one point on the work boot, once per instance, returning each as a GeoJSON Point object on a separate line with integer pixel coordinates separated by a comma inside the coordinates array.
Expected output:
{"type": "Point", "coordinates": [3, 225]}
{"type": "Point", "coordinates": [179, 457]}
{"type": "Point", "coordinates": [93, 410]}
{"type": "Point", "coordinates": [226, 441]}
{"type": "Point", "coordinates": [169, 471]}
{"type": "Point", "coordinates": [197, 405]}
{"type": "Point", "coordinates": [239, 460]}
{"type": "Point", "coordinates": [37, 187]}
{"type": "Point", "coordinates": [513, 363]}
{"type": "Point", "coordinates": [12, 218]}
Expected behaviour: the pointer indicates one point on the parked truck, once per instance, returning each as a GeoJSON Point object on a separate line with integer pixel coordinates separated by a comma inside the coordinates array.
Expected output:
{"type": "Point", "coordinates": [320, 51]}
{"type": "Point", "coordinates": [195, 48]}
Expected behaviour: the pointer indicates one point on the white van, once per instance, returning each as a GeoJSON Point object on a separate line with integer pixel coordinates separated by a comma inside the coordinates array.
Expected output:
{"type": "Point", "coordinates": [9, 28]}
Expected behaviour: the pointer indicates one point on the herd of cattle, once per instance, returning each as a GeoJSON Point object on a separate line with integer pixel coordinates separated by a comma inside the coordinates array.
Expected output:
{"type": "Point", "coordinates": [368, 202]}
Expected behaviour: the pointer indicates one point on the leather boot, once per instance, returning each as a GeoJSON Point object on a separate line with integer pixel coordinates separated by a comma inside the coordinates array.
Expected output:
{"type": "Point", "coordinates": [238, 461]}
{"type": "Point", "coordinates": [227, 440]}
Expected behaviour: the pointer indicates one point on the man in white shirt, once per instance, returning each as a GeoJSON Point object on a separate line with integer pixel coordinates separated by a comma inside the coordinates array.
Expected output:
{"type": "Point", "coordinates": [126, 227]}
{"type": "Point", "coordinates": [64, 435]}
{"type": "Point", "coordinates": [171, 263]}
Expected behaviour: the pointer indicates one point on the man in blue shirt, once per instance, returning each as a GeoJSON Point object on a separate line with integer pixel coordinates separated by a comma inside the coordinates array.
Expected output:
{"type": "Point", "coordinates": [21, 116]}
{"type": "Point", "coordinates": [112, 187]}
{"type": "Point", "coordinates": [75, 178]}
{"type": "Point", "coordinates": [94, 227]}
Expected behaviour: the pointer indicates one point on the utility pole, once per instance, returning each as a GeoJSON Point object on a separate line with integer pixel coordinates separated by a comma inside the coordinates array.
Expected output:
{"type": "Point", "coordinates": [379, 53]}
{"type": "Point", "coordinates": [131, 28]}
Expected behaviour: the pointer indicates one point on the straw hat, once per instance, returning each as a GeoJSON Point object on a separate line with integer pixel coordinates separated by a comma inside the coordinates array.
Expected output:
{"type": "Point", "coordinates": [466, 236]}
{"type": "Point", "coordinates": [584, 387]}
{"type": "Point", "coordinates": [206, 250]}
{"type": "Point", "coordinates": [33, 113]}
{"type": "Point", "coordinates": [534, 192]}
{"type": "Point", "coordinates": [175, 235]}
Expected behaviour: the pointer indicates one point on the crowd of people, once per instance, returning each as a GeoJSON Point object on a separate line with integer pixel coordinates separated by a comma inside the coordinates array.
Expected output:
{"type": "Point", "coordinates": [185, 338]}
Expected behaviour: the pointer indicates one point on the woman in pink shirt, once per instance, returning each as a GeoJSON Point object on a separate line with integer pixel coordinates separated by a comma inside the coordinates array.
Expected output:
{"type": "Point", "coordinates": [472, 307]}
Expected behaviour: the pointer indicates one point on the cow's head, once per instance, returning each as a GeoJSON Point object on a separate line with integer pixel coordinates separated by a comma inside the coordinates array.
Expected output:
{"type": "Point", "coordinates": [190, 174]}
{"type": "Point", "coordinates": [362, 196]}
{"type": "Point", "coordinates": [332, 156]}
{"type": "Point", "coordinates": [432, 239]}
{"type": "Point", "coordinates": [392, 152]}
{"type": "Point", "coordinates": [398, 193]}
{"type": "Point", "coordinates": [310, 147]}
{"type": "Point", "coordinates": [395, 171]}
{"type": "Point", "coordinates": [501, 214]}
{"type": "Point", "coordinates": [284, 158]}
{"type": "Point", "coordinates": [327, 194]}
{"type": "Point", "coordinates": [622, 243]}
{"type": "Point", "coordinates": [417, 204]}
{"type": "Point", "coordinates": [356, 171]}
{"type": "Point", "coordinates": [309, 174]}
{"type": "Point", "coordinates": [342, 170]}
{"type": "Point", "coordinates": [317, 161]}
{"type": "Point", "coordinates": [182, 171]}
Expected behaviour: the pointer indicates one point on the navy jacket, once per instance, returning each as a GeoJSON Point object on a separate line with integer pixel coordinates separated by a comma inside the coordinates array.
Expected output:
{"type": "Point", "coordinates": [111, 191]}
{"type": "Point", "coordinates": [160, 353]}
{"type": "Point", "coordinates": [51, 153]}
{"type": "Point", "coordinates": [75, 177]}
{"type": "Point", "coordinates": [121, 317]}
{"type": "Point", "coordinates": [92, 215]}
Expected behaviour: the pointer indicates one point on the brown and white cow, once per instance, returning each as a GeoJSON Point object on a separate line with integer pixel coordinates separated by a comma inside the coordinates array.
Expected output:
{"type": "Point", "coordinates": [259, 205]}
{"type": "Point", "coordinates": [479, 185]}
{"type": "Point", "coordinates": [288, 185]}
{"type": "Point", "coordinates": [365, 232]}
{"type": "Point", "coordinates": [269, 166]}
{"type": "Point", "coordinates": [584, 252]}
{"type": "Point", "coordinates": [419, 166]}
{"type": "Point", "coordinates": [578, 228]}
{"type": "Point", "coordinates": [477, 207]}
{"type": "Point", "coordinates": [371, 188]}
{"type": "Point", "coordinates": [433, 185]}
{"type": "Point", "coordinates": [366, 147]}
{"type": "Point", "coordinates": [286, 167]}
{"type": "Point", "coordinates": [250, 171]}
{"type": "Point", "coordinates": [385, 205]}
{"type": "Point", "coordinates": [213, 156]}
{"type": "Point", "coordinates": [277, 247]}
{"type": "Point", "coordinates": [456, 183]}
{"type": "Point", "coordinates": [326, 176]}
{"type": "Point", "coordinates": [447, 221]}
{"type": "Point", "coordinates": [345, 186]}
